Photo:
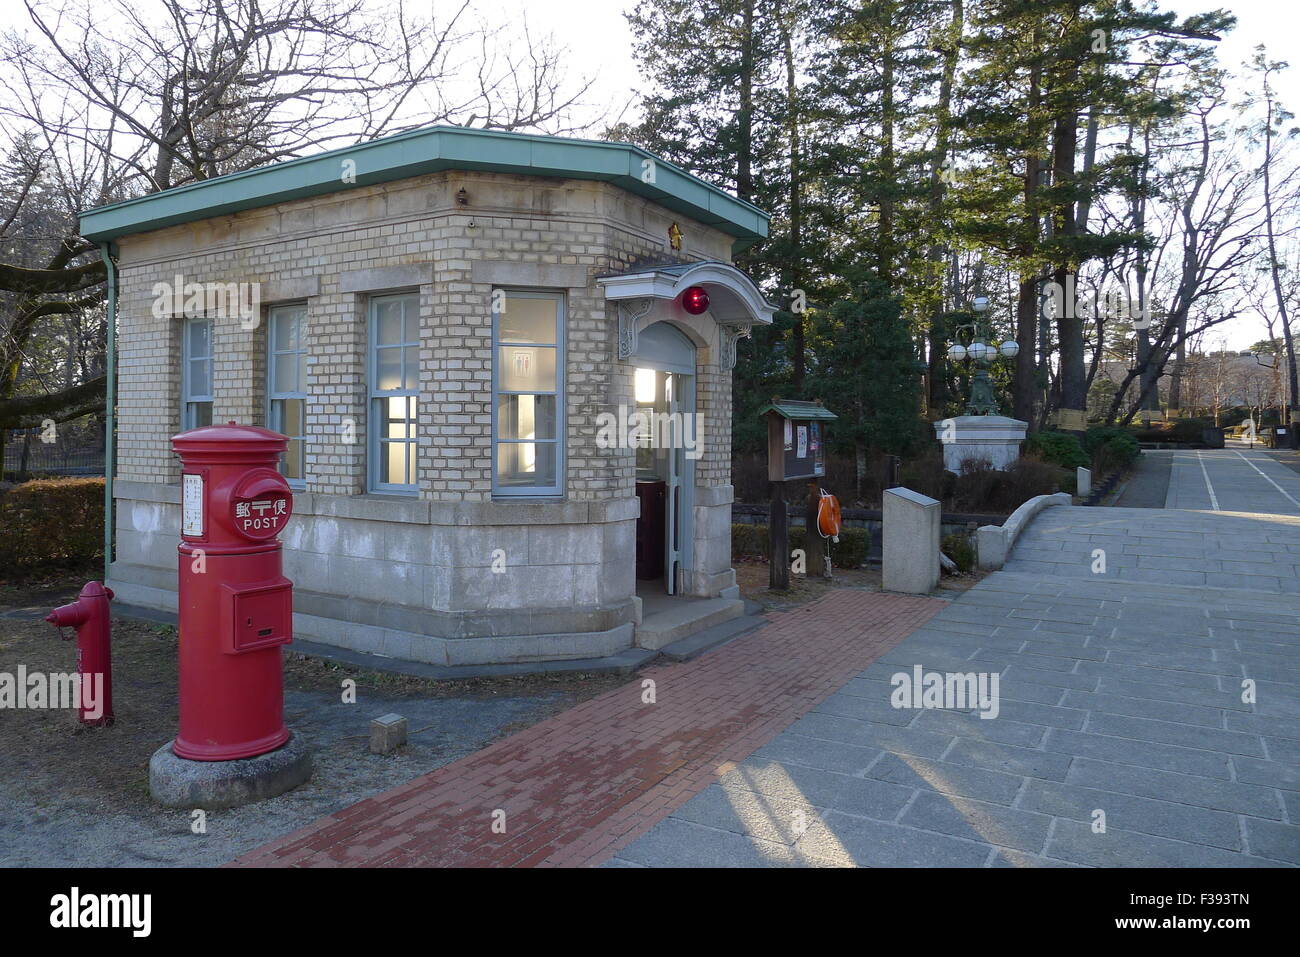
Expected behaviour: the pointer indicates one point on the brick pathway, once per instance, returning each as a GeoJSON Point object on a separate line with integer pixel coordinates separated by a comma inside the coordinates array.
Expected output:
{"type": "Point", "coordinates": [578, 787]}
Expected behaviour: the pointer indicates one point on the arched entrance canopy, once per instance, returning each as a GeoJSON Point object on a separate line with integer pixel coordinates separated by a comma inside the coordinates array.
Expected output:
{"type": "Point", "coordinates": [650, 294]}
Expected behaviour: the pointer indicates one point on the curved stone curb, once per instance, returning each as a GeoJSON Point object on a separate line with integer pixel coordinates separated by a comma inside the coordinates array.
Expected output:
{"type": "Point", "coordinates": [993, 542]}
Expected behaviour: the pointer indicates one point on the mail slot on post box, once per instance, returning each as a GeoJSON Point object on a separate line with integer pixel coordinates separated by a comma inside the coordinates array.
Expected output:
{"type": "Point", "coordinates": [236, 607]}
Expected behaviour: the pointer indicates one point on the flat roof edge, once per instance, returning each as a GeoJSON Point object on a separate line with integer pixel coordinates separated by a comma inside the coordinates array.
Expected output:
{"type": "Point", "coordinates": [432, 150]}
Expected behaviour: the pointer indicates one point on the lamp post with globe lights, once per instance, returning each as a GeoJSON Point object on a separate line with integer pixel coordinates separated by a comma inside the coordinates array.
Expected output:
{"type": "Point", "coordinates": [977, 348]}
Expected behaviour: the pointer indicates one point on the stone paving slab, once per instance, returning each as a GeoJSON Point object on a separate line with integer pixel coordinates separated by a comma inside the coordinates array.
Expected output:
{"type": "Point", "coordinates": [1121, 694]}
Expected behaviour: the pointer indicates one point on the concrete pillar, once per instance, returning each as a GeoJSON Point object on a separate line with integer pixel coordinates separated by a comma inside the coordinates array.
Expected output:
{"type": "Point", "coordinates": [910, 540]}
{"type": "Point", "coordinates": [994, 438]}
{"type": "Point", "coordinates": [1083, 485]}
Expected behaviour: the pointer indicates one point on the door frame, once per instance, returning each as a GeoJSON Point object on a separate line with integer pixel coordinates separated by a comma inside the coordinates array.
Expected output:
{"type": "Point", "coordinates": [679, 540]}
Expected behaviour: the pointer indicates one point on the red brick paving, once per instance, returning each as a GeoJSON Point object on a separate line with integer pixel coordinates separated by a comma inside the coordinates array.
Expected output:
{"type": "Point", "coordinates": [578, 787]}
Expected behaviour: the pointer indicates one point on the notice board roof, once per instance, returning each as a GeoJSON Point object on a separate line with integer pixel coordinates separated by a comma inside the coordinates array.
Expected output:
{"type": "Point", "coordinates": [798, 409]}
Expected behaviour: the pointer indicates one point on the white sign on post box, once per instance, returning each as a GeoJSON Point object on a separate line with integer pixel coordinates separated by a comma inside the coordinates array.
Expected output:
{"type": "Point", "coordinates": [192, 505]}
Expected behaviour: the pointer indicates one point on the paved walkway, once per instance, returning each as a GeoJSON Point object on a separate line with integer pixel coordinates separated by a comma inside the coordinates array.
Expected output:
{"type": "Point", "coordinates": [574, 789]}
{"type": "Point", "coordinates": [1122, 737]}
{"type": "Point", "coordinates": [1233, 480]}
{"type": "Point", "coordinates": [1148, 484]}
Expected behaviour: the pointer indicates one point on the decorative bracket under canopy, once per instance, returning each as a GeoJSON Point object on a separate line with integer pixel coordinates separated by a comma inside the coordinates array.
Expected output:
{"type": "Point", "coordinates": [630, 311]}
{"type": "Point", "coordinates": [729, 336]}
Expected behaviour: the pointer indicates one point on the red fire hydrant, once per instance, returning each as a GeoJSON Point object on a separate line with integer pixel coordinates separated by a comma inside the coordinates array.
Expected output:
{"type": "Point", "coordinates": [235, 605]}
{"type": "Point", "coordinates": [89, 615]}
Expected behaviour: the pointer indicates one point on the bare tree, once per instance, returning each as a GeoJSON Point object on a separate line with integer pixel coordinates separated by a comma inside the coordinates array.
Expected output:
{"type": "Point", "coordinates": [102, 100]}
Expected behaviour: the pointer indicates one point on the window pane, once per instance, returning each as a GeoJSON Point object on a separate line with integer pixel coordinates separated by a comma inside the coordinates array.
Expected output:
{"type": "Point", "coordinates": [388, 369]}
{"type": "Point", "coordinates": [284, 373]}
{"type": "Point", "coordinates": [397, 417]}
{"type": "Point", "coordinates": [528, 320]}
{"type": "Point", "coordinates": [388, 325]}
{"type": "Point", "coordinates": [302, 371]}
{"type": "Point", "coordinates": [526, 464]}
{"type": "Point", "coordinates": [525, 369]}
{"type": "Point", "coordinates": [285, 332]}
{"type": "Point", "coordinates": [200, 377]}
{"type": "Point", "coordinates": [291, 417]}
{"type": "Point", "coordinates": [411, 367]}
{"type": "Point", "coordinates": [392, 463]}
{"type": "Point", "coordinates": [291, 464]}
{"type": "Point", "coordinates": [200, 414]}
{"type": "Point", "coordinates": [200, 332]}
{"type": "Point", "coordinates": [526, 416]}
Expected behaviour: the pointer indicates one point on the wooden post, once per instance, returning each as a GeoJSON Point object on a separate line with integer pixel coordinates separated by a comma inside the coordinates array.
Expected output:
{"type": "Point", "coordinates": [814, 545]}
{"type": "Point", "coordinates": [778, 529]}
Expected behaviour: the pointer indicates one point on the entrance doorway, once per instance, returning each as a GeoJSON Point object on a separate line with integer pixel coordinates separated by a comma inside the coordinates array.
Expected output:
{"type": "Point", "coordinates": [664, 388]}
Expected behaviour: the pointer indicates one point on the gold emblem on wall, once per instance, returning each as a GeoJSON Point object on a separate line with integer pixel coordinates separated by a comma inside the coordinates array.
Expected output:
{"type": "Point", "coordinates": [675, 236]}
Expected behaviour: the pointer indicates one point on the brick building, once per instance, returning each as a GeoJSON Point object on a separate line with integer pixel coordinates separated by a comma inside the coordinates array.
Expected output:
{"type": "Point", "coordinates": [457, 330]}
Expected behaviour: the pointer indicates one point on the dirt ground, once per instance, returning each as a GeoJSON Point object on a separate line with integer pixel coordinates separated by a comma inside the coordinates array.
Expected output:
{"type": "Point", "coordinates": [752, 577]}
{"type": "Point", "coordinates": [73, 795]}
{"type": "Point", "coordinates": [77, 796]}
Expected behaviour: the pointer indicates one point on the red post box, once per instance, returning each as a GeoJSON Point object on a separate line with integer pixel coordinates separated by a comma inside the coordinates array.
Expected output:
{"type": "Point", "coordinates": [89, 615]}
{"type": "Point", "coordinates": [236, 607]}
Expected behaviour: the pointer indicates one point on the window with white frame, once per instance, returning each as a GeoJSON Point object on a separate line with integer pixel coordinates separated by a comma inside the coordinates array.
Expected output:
{"type": "Point", "coordinates": [196, 373]}
{"type": "Point", "coordinates": [286, 386]}
{"type": "Point", "coordinates": [528, 393]}
{"type": "Point", "coordinates": [394, 388]}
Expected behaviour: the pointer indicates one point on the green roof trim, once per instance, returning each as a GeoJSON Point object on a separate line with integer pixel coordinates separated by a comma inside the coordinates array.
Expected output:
{"type": "Point", "coordinates": [433, 150]}
{"type": "Point", "coordinates": [798, 409]}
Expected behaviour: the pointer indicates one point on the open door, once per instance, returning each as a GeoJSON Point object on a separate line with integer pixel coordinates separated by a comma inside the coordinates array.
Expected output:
{"type": "Point", "coordinates": [664, 387]}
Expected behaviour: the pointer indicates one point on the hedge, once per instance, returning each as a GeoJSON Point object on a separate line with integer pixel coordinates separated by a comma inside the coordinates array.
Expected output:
{"type": "Point", "coordinates": [751, 541]}
{"type": "Point", "coordinates": [1059, 448]}
{"type": "Point", "coordinates": [51, 520]}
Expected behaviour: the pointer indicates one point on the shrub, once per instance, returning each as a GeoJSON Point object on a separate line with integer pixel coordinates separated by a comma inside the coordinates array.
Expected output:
{"type": "Point", "coordinates": [751, 541]}
{"type": "Point", "coordinates": [960, 549]}
{"type": "Point", "coordinates": [1030, 476]}
{"type": "Point", "coordinates": [1003, 491]}
{"type": "Point", "coordinates": [1116, 452]}
{"type": "Point", "coordinates": [51, 520]}
{"type": "Point", "coordinates": [1175, 430]}
{"type": "Point", "coordinates": [979, 488]}
{"type": "Point", "coordinates": [926, 474]}
{"type": "Point", "coordinates": [1060, 448]}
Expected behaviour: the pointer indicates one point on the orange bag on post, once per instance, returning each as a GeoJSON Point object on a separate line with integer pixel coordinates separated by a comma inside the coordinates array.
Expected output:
{"type": "Point", "coordinates": [828, 516]}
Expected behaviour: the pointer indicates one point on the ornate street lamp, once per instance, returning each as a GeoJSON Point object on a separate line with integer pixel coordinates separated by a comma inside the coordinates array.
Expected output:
{"type": "Point", "coordinates": [973, 345]}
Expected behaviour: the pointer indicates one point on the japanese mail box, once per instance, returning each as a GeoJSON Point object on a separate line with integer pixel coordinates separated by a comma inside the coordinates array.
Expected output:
{"type": "Point", "coordinates": [235, 605]}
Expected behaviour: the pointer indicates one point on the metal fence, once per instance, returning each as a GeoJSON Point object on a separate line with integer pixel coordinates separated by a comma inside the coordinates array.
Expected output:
{"type": "Point", "coordinates": [79, 453]}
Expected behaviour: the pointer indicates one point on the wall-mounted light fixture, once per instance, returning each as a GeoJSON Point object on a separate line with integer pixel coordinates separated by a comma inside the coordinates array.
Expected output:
{"type": "Point", "coordinates": [462, 197]}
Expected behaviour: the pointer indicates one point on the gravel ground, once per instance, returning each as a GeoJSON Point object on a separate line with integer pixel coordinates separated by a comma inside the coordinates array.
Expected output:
{"type": "Point", "coordinates": [75, 796]}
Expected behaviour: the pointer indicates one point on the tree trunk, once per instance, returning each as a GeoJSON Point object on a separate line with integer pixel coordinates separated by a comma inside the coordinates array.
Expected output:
{"type": "Point", "coordinates": [798, 345]}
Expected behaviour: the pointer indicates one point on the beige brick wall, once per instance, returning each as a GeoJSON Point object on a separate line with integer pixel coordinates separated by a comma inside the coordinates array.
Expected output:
{"type": "Point", "coordinates": [593, 227]}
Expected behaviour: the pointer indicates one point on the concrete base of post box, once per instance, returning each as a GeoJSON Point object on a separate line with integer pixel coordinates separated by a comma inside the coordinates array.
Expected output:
{"type": "Point", "coordinates": [214, 785]}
